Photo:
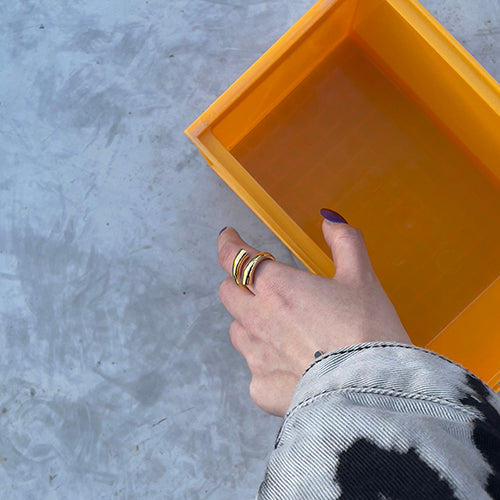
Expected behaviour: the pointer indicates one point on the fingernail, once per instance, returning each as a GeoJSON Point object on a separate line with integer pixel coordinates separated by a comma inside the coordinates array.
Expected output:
{"type": "Point", "coordinates": [332, 216]}
{"type": "Point", "coordinates": [222, 230]}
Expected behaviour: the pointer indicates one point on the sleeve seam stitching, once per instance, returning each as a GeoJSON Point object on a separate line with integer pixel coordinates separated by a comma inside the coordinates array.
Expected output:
{"type": "Point", "coordinates": [383, 392]}
{"type": "Point", "coordinates": [362, 347]}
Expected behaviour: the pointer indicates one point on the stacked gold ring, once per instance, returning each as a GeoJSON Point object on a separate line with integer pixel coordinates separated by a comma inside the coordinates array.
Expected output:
{"type": "Point", "coordinates": [244, 269]}
{"type": "Point", "coordinates": [251, 267]}
{"type": "Point", "coordinates": [238, 261]}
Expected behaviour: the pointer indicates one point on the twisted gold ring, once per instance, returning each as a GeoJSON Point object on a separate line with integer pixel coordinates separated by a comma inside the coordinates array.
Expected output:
{"type": "Point", "coordinates": [238, 261]}
{"type": "Point", "coordinates": [251, 267]}
{"type": "Point", "coordinates": [243, 269]}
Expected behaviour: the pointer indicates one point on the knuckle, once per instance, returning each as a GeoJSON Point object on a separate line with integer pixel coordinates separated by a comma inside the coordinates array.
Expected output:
{"type": "Point", "coordinates": [273, 281]}
{"type": "Point", "coordinates": [278, 292]}
{"type": "Point", "coordinates": [255, 392]}
{"type": "Point", "coordinates": [244, 343]}
{"type": "Point", "coordinates": [270, 275]}
{"type": "Point", "coordinates": [355, 232]}
{"type": "Point", "coordinates": [256, 325]}
{"type": "Point", "coordinates": [357, 235]}
{"type": "Point", "coordinates": [235, 332]}
{"type": "Point", "coordinates": [251, 359]}
{"type": "Point", "coordinates": [352, 235]}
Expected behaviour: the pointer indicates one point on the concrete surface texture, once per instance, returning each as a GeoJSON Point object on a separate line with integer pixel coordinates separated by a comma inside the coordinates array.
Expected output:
{"type": "Point", "coordinates": [117, 378]}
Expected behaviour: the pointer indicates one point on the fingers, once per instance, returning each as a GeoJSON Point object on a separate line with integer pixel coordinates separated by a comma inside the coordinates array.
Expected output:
{"type": "Point", "coordinates": [348, 251]}
{"type": "Point", "coordinates": [346, 244]}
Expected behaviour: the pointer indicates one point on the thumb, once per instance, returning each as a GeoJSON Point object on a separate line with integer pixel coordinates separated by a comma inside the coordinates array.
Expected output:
{"type": "Point", "coordinates": [347, 245]}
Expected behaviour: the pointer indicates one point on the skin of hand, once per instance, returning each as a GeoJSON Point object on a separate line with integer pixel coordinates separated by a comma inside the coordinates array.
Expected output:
{"type": "Point", "coordinates": [288, 314]}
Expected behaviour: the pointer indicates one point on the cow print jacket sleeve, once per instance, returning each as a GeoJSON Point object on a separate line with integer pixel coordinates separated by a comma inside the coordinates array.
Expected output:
{"type": "Point", "coordinates": [387, 421]}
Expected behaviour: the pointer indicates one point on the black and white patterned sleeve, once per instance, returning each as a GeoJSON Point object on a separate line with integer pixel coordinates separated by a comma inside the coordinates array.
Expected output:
{"type": "Point", "coordinates": [387, 421]}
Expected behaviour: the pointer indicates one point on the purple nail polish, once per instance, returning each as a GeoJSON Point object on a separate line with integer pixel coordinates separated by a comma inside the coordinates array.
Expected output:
{"type": "Point", "coordinates": [332, 216]}
{"type": "Point", "coordinates": [222, 230]}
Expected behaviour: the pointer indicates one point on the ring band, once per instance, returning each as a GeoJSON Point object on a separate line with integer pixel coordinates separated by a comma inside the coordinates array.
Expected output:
{"type": "Point", "coordinates": [238, 261]}
{"type": "Point", "coordinates": [251, 267]}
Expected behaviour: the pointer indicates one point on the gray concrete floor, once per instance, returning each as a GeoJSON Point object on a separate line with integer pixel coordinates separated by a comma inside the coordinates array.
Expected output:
{"type": "Point", "coordinates": [117, 378]}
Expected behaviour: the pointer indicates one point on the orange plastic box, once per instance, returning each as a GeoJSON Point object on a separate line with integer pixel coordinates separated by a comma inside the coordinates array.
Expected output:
{"type": "Point", "coordinates": [371, 108]}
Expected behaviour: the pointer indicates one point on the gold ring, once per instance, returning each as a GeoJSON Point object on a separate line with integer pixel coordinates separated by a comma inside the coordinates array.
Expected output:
{"type": "Point", "coordinates": [250, 268]}
{"type": "Point", "coordinates": [238, 261]}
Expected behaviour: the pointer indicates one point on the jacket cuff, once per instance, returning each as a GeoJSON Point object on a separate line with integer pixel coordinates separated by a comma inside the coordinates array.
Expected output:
{"type": "Point", "coordinates": [384, 368]}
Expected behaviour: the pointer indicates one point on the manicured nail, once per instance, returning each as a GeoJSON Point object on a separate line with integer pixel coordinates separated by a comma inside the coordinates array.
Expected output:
{"type": "Point", "coordinates": [332, 216]}
{"type": "Point", "coordinates": [222, 230]}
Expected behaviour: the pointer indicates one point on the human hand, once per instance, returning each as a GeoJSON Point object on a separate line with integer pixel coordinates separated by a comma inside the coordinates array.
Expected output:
{"type": "Point", "coordinates": [287, 315]}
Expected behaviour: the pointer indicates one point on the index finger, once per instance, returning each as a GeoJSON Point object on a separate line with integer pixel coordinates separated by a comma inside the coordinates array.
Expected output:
{"type": "Point", "coordinates": [229, 244]}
